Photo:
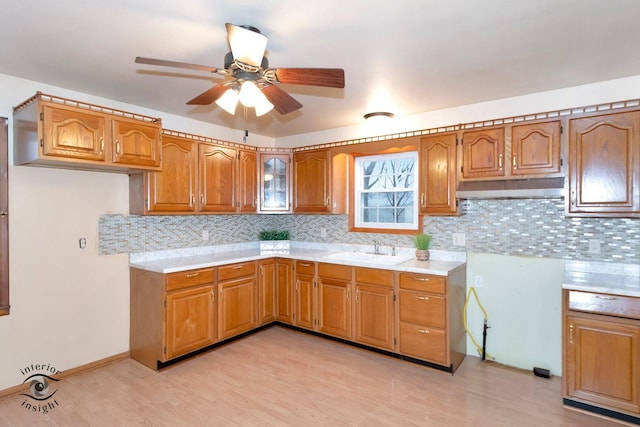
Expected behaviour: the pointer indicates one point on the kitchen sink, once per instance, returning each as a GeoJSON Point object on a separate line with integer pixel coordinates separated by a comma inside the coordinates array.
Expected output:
{"type": "Point", "coordinates": [370, 258]}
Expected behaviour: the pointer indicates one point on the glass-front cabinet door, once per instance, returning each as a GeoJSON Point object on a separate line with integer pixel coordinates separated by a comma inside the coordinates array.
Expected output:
{"type": "Point", "coordinates": [275, 193]}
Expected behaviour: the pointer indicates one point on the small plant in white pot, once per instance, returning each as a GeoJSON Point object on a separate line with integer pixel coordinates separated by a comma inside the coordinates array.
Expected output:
{"type": "Point", "coordinates": [422, 242]}
{"type": "Point", "coordinates": [274, 242]}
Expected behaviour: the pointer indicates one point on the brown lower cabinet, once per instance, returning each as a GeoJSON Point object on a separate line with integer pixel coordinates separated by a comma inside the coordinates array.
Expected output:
{"type": "Point", "coordinates": [602, 352]}
{"type": "Point", "coordinates": [412, 315]}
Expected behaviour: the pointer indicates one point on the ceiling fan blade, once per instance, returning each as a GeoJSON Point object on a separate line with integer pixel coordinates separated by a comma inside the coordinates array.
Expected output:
{"type": "Point", "coordinates": [281, 100]}
{"type": "Point", "coordinates": [325, 77]}
{"type": "Point", "coordinates": [247, 44]}
{"type": "Point", "coordinates": [209, 96]}
{"type": "Point", "coordinates": [165, 63]}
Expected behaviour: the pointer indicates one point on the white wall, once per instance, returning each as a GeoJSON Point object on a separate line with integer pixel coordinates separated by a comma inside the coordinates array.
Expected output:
{"type": "Point", "coordinates": [70, 307]}
{"type": "Point", "coordinates": [522, 297]}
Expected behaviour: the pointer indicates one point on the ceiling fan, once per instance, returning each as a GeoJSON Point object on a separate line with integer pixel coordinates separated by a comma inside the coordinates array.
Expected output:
{"type": "Point", "coordinates": [249, 80]}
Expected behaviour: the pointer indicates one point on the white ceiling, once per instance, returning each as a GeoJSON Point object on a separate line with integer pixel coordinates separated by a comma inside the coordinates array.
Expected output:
{"type": "Point", "coordinates": [404, 56]}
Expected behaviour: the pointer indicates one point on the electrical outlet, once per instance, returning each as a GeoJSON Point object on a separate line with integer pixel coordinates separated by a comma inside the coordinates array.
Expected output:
{"type": "Point", "coordinates": [323, 232]}
{"type": "Point", "coordinates": [594, 246]}
{"type": "Point", "coordinates": [205, 235]}
{"type": "Point", "coordinates": [459, 239]}
{"type": "Point", "coordinates": [478, 281]}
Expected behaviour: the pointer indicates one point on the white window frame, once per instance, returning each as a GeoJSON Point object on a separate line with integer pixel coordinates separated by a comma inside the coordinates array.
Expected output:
{"type": "Point", "coordinates": [359, 223]}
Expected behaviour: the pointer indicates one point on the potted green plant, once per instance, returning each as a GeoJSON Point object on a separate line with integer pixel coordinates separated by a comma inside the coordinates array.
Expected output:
{"type": "Point", "coordinates": [422, 242]}
{"type": "Point", "coordinates": [274, 242]}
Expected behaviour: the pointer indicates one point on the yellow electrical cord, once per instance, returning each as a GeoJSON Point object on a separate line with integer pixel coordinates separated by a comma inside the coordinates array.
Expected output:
{"type": "Point", "coordinates": [466, 328]}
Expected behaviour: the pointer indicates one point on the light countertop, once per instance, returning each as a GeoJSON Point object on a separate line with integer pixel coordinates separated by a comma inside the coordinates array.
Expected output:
{"type": "Point", "coordinates": [441, 263]}
{"type": "Point", "coordinates": [601, 277]}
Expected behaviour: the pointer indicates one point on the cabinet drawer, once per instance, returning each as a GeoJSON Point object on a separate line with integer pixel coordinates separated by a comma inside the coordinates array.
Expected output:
{"type": "Point", "coordinates": [334, 271]}
{"type": "Point", "coordinates": [305, 267]}
{"type": "Point", "coordinates": [374, 276]}
{"type": "Point", "coordinates": [423, 343]}
{"type": "Point", "coordinates": [423, 282]}
{"type": "Point", "coordinates": [423, 309]}
{"type": "Point", "coordinates": [185, 279]}
{"type": "Point", "coordinates": [615, 305]}
{"type": "Point", "coordinates": [233, 271]}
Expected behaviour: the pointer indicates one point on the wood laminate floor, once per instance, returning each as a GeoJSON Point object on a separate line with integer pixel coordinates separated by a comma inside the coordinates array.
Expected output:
{"type": "Point", "coordinates": [281, 377]}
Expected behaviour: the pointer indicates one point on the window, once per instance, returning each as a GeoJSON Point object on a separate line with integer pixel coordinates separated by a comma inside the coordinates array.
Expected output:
{"type": "Point", "coordinates": [385, 192]}
{"type": "Point", "coordinates": [4, 219]}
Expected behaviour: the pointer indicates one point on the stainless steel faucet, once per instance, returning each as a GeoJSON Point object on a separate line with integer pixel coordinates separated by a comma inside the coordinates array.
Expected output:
{"type": "Point", "coordinates": [376, 247]}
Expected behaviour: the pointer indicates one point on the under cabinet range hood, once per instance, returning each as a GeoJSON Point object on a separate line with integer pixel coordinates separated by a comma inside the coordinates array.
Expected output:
{"type": "Point", "coordinates": [538, 188]}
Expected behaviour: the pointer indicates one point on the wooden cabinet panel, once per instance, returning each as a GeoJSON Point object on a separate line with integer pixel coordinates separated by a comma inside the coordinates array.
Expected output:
{"type": "Point", "coordinates": [423, 343]}
{"type": "Point", "coordinates": [284, 291]}
{"type": "Point", "coordinates": [438, 162]}
{"type": "Point", "coordinates": [188, 279]}
{"type": "Point", "coordinates": [535, 148]}
{"type": "Point", "coordinates": [311, 182]}
{"type": "Point", "coordinates": [483, 153]}
{"type": "Point", "coordinates": [267, 292]}
{"type": "Point", "coordinates": [423, 309]}
{"type": "Point", "coordinates": [423, 282]}
{"type": "Point", "coordinates": [190, 320]}
{"type": "Point", "coordinates": [275, 183]}
{"type": "Point", "coordinates": [335, 271]}
{"type": "Point", "coordinates": [604, 164]}
{"type": "Point", "coordinates": [135, 143]}
{"type": "Point", "coordinates": [236, 307]}
{"type": "Point", "coordinates": [248, 182]}
{"type": "Point", "coordinates": [217, 178]}
{"type": "Point", "coordinates": [234, 271]}
{"type": "Point", "coordinates": [307, 268]}
{"type": "Point", "coordinates": [304, 307]}
{"type": "Point", "coordinates": [73, 133]}
{"type": "Point", "coordinates": [374, 316]}
{"type": "Point", "coordinates": [374, 276]}
{"type": "Point", "coordinates": [334, 307]}
{"type": "Point", "coordinates": [603, 362]}
{"type": "Point", "coordinates": [174, 188]}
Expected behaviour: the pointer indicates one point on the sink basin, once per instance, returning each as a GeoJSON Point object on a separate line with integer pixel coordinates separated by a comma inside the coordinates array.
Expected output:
{"type": "Point", "coordinates": [370, 258]}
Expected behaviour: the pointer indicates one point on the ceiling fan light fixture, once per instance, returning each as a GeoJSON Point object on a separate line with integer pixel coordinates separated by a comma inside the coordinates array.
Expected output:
{"type": "Point", "coordinates": [263, 106]}
{"type": "Point", "coordinates": [379, 114]}
{"type": "Point", "coordinates": [247, 44]}
{"type": "Point", "coordinates": [228, 101]}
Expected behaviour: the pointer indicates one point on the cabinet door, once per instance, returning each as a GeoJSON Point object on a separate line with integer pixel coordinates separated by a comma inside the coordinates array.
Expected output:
{"type": "Point", "coordinates": [334, 307]}
{"type": "Point", "coordinates": [303, 314]}
{"type": "Point", "coordinates": [248, 182]}
{"type": "Point", "coordinates": [483, 153]}
{"type": "Point", "coordinates": [535, 149]}
{"type": "Point", "coordinates": [274, 183]}
{"type": "Point", "coordinates": [438, 174]}
{"type": "Point", "coordinates": [603, 362]}
{"type": "Point", "coordinates": [73, 133]}
{"type": "Point", "coordinates": [135, 143]}
{"type": "Point", "coordinates": [284, 291]}
{"type": "Point", "coordinates": [190, 320]}
{"type": "Point", "coordinates": [236, 307]}
{"type": "Point", "coordinates": [267, 292]}
{"type": "Point", "coordinates": [423, 342]}
{"type": "Point", "coordinates": [604, 164]}
{"type": "Point", "coordinates": [217, 178]}
{"type": "Point", "coordinates": [374, 316]}
{"type": "Point", "coordinates": [311, 182]}
{"type": "Point", "coordinates": [174, 188]}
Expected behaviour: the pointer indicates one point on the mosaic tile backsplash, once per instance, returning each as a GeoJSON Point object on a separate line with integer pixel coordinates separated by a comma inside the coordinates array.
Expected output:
{"type": "Point", "coordinates": [527, 227]}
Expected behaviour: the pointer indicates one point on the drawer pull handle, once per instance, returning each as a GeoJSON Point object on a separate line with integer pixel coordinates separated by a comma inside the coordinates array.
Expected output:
{"type": "Point", "coordinates": [424, 298]}
{"type": "Point", "coordinates": [191, 275]}
{"type": "Point", "coordinates": [422, 331]}
{"type": "Point", "coordinates": [606, 297]}
{"type": "Point", "coordinates": [421, 279]}
{"type": "Point", "coordinates": [238, 267]}
{"type": "Point", "coordinates": [305, 264]}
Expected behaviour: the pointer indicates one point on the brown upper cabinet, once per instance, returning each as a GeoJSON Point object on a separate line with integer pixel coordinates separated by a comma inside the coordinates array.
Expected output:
{"type": "Point", "coordinates": [438, 174]}
{"type": "Point", "coordinates": [483, 153]}
{"type": "Point", "coordinates": [56, 132]}
{"type": "Point", "coordinates": [196, 178]}
{"type": "Point", "coordinates": [527, 150]}
{"type": "Point", "coordinates": [275, 183]}
{"type": "Point", "coordinates": [604, 165]}
{"type": "Point", "coordinates": [319, 182]}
